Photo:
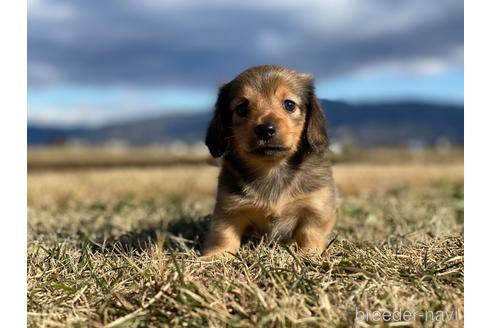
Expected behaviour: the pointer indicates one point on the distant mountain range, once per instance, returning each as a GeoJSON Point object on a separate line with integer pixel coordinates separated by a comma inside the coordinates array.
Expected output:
{"type": "Point", "coordinates": [363, 125]}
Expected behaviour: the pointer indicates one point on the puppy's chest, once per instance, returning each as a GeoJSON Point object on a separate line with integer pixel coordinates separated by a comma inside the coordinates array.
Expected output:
{"type": "Point", "coordinates": [276, 215]}
{"type": "Point", "coordinates": [273, 195]}
{"type": "Point", "coordinates": [272, 205]}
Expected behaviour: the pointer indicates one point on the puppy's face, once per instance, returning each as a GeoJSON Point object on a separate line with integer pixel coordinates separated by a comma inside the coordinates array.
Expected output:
{"type": "Point", "coordinates": [266, 113]}
{"type": "Point", "coordinates": [268, 119]}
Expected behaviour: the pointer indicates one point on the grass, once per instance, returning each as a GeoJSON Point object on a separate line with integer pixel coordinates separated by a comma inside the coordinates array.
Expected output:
{"type": "Point", "coordinates": [118, 247]}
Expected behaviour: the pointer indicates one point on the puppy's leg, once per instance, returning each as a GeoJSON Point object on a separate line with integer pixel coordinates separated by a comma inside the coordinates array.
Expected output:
{"type": "Point", "coordinates": [317, 215]}
{"type": "Point", "coordinates": [312, 231]}
{"type": "Point", "coordinates": [224, 236]}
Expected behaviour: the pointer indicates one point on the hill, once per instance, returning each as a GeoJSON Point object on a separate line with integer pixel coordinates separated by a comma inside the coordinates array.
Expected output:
{"type": "Point", "coordinates": [364, 125]}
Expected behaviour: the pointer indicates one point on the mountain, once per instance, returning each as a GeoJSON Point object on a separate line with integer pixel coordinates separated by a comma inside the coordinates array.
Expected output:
{"type": "Point", "coordinates": [395, 124]}
{"type": "Point", "coordinates": [364, 125]}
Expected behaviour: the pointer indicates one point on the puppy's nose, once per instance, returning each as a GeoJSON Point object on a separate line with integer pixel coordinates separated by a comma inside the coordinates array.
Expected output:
{"type": "Point", "coordinates": [265, 131]}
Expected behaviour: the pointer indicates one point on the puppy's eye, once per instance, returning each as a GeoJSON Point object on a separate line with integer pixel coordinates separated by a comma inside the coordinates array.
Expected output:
{"type": "Point", "coordinates": [289, 105]}
{"type": "Point", "coordinates": [242, 109]}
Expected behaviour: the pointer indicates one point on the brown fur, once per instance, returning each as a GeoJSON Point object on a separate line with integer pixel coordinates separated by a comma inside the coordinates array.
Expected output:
{"type": "Point", "coordinates": [288, 194]}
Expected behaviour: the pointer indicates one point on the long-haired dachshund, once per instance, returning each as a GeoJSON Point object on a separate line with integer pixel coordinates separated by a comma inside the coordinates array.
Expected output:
{"type": "Point", "coordinates": [276, 174]}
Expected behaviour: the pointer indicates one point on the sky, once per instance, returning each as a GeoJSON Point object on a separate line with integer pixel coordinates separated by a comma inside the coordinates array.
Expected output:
{"type": "Point", "coordinates": [96, 62]}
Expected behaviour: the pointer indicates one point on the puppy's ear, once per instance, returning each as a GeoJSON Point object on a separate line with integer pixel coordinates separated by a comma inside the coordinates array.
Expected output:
{"type": "Point", "coordinates": [315, 131]}
{"type": "Point", "coordinates": [218, 130]}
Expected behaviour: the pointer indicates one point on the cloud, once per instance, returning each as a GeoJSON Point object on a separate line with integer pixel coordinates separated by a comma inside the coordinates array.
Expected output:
{"type": "Point", "coordinates": [92, 106]}
{"type": "Point", "coordinates": [68, 117]}
{"type": "Point", "coordinates": [202, 43]}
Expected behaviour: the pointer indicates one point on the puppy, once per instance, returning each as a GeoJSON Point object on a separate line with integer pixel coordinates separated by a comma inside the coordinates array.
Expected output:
{"type": "Point", "coordinates": [276, 174]}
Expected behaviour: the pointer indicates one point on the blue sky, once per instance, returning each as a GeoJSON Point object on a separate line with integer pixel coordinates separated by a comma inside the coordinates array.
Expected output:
{"type": "Point", "coordinates": [92, 63]}
{"type": "Point", "coordinates": [94, 105]}
{"type": "Point", "coordinates": [443, 87]}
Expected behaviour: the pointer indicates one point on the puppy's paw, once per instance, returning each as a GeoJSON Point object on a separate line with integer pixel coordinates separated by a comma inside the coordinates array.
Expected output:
{"type": "Point", "coordinates": [206, 258]}
{"type": "Point", "coordinates": [311, 251]}
{"type": "Point", "coordinates": [211, 256]}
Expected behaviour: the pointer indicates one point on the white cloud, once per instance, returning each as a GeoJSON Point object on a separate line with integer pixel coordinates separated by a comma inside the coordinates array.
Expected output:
{"type": "Point", "coordinates": [94, 116]}
{"type": "Point", "coordinates": [67, 117]}
{"type": "Point", "coordinates": [50, 11]}
{"type": "Point", "coordinates": [197, 43]}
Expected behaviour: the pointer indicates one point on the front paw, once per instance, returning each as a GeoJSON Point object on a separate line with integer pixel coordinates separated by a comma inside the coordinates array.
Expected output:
{"type": "Point", "coordinates": [312, 250]}
{"type": "Point", "coordinates": [216, 254]}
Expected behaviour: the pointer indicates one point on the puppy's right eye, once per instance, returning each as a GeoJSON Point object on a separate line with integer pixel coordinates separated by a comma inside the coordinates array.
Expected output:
{"type": "Point", "coordinates": [242, 109]}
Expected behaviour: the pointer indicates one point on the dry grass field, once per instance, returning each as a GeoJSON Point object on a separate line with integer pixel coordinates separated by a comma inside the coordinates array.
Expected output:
{"type": "Point", "coordinates": [118, 246]}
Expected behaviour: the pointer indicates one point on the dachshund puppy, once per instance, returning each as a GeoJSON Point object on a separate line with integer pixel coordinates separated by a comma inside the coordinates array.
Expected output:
{"type": "Point", "coordinates": [276, 173]}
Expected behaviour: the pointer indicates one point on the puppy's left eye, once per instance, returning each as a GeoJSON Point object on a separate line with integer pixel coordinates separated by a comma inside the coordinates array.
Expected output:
{"type": "Point", "coordinates": [289, 105]}
{"type": "Point", "coordinates": [242, 109]}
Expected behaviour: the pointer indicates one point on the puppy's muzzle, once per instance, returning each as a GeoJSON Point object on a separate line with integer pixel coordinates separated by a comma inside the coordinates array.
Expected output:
{"type": "Point", "coordinates": [266, 131]}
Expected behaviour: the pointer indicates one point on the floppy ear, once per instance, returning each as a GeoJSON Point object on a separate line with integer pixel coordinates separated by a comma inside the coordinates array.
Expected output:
{"type": "Point", "coordinates": [218, 130]}
{"type": "Point", "coordinates": [315, 131]}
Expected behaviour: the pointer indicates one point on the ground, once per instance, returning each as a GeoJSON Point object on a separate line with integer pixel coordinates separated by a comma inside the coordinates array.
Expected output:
{"type": "Point", "coordinates": [118, 246]}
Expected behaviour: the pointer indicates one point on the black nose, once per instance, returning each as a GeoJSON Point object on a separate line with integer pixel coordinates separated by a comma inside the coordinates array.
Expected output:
{"type": "Point", "coordinates": [265, 131]}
